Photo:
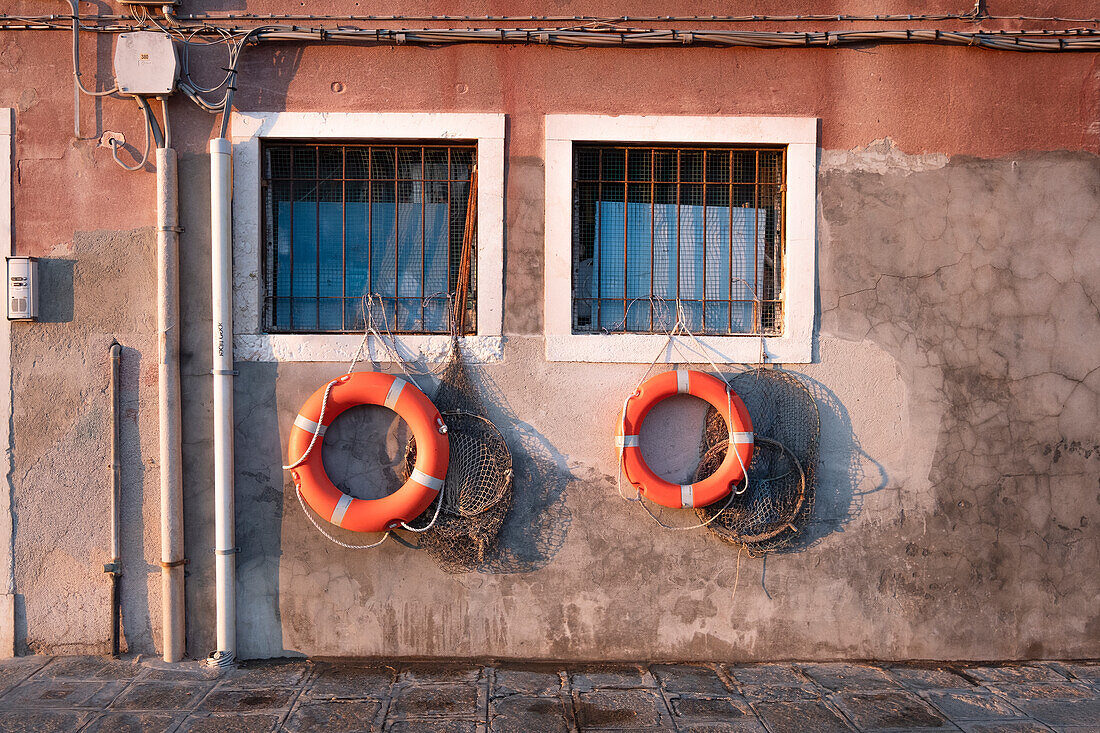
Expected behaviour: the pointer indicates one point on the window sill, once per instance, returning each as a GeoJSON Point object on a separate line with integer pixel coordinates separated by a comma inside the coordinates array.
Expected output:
{"type": "Point", "coordinates": [644, 348]}
{"type": "Point", "coordinates": [271, 347]}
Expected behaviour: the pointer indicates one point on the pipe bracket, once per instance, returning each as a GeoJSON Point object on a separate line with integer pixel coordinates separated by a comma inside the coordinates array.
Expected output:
{"type": "Point", "coordinates": [174, 563]}
{"type": "Point", "coordinates": [225, 372]}
{"type": "Point", "coordinates": [230, 551]}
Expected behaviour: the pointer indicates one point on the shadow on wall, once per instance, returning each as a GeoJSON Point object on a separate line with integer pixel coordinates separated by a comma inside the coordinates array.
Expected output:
{"type": "Point", "coordinates": [277, 63]}
{"type": "Point", "coordinates": [538, 523]}
{"type": "Point", "coordinates": [260, 497]}
{"type": "Point", "coordinates": [55, 277]}
{"type": "Point", "coordinates": [845, 472]}
{"type": "Point", "coordinates": [137, 631]}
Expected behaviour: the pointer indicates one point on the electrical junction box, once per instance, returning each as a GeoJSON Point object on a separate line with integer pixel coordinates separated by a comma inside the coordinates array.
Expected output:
{"type": "Point", "coordinates": [146, 63]}
{"type": "Point", "coordinates": [22, 288]}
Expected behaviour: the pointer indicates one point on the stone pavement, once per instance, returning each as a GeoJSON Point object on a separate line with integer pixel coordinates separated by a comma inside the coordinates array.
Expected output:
{"type": "Point", "coordinates": [97, 694]}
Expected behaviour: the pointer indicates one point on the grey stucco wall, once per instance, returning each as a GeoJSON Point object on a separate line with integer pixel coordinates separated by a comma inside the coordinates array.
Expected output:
{"type": "Point", "coordinates": [957, 380]}
{"type": "Point", "coordinates": [61, 444]}
{"type": "Point", "coordinates": [956, 373]}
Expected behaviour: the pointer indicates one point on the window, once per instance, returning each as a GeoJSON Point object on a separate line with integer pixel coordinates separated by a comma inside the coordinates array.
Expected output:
{"type": "Point", "coordinates": [657, 226]}
{"type": "Point", "coordinates": [651, 216]}
{"type": "Point", "coordinates": [330, 206]}
{"type": "Point", "coordinates": [345, 220]}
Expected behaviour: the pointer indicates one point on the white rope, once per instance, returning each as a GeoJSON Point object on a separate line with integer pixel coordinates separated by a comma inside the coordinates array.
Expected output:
{"type": "Point", "coordinates": [438, 506]}
{"type": "Point", "coordinates": [363, 345]}
{"type": "Point", "coordinates": [327, 535]}
{"type": "Point", "coordinates": [324, 404]}
{"type": "Point", "coordinates": [678, 327]}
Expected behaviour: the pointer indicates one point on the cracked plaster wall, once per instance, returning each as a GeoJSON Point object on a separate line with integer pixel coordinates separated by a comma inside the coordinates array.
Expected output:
{"type": "Point", "coordinates": [955, 371]}
{"type": "Point", "coordinates": [957, 377]}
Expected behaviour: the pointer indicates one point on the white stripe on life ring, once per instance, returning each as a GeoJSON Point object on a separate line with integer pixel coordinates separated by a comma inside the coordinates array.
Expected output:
{"type": "Point", "coordinates": [309, 426]}
{"type": "Point", "coordinates": [626, 441]}
{"type": "Point", "coordinates": [433, 483]}
{"type": "Point", "coordinates": [340, 510]}
{"type": "Point", "coordinates": [687, 496]}
{"type": "Point", "coordinates": [394, 393]}
{"type": "Point", "coordinates": [741, 437]}
{"type": "Point", "coordinates": [682, 381]}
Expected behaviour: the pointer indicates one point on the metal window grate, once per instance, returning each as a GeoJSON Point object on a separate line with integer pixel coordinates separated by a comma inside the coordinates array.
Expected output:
{"type": "Point", "coordinates": [654, 226]}
{"type": "Point", "coordinates": [345, 220]}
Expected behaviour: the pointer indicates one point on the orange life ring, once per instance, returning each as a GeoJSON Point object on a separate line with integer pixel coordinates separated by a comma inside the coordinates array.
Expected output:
{"type": "Point", "coordinates": [432, 452]}
{"type": "Point", "coordinates": [733, 411]}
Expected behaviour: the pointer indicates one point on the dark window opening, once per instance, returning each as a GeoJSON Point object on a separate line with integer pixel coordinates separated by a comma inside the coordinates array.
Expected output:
{"type": "Point", "coordinates": [344, 221]}
{"type": "Point", "coordinates": [656, 227]}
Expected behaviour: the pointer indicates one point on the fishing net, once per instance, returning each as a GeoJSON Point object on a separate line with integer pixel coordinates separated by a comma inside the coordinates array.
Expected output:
{"type": "Point", "coordinates": [477, 493]}
{"type": "Point", "coordinates": [782, 476]}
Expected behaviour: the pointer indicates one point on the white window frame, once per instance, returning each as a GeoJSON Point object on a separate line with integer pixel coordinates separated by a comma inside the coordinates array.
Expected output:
{"type": "Point", "coordinates": [247, 129]}
{"type": "Point", "coordinates": [795, 343]}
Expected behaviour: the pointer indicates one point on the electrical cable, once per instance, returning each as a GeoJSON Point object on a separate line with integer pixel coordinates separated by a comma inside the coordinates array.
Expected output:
{"type": "Point", "coordinates": [158, 136]}
{"type": "Point", "coordinates": [1075, 39]}
{"type": "Point", "coordinates": [970, 16]}
{"type": "Point", "coordinates": [145, 156]}
{"type": "Point", "coordinates": [76, 56]}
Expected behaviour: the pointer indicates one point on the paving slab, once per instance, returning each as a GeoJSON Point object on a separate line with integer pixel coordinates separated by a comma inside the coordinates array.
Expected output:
{"type": "Point", "coordinates": [711, 708]}
{"type": "Point", "coordinates": [1015, 673]}
{"type": "Point", "coordinates": [1045, 691]}
{"type": "Point", "coordinates": [224, 700]}
{"type": "Point", "coordinates": [929, 678]}
{"type": "Point", "coordinates": [690, 678]}
{"type": "Point", "coordinates": [782, 693]}
{"type": "Point", "coordinates": [527, 682]}
{"type": "Point", "coordinates": [344, 716]}
{"type": "Point", "coordinates": [1085, 671]}
{"type": "Point", "coordinates": [799, 717]}
{"type": "Point", "coordinates": [41, 721]}
{"type": "Point", "coordinates": [973, 704]}
{"type": "Point", "coordinates": [352, 681]}
{"type": "Point", "coordinates": [522, 714]}
{"type": "Point", "coordinates": [429, 701]}
{"type": "Point", "coordinates": [618, 709]}
{"type": "Point", "coordinates": [267, 673]}
{"type": "Point", "coordinates": [14, 671]}
{"type": "Point", "coordinates": [1063, 712]}
{"type": "Point", "coordinates": [434, 673]}
{"type": "Point", "coordinates": [157, 696]}
{"type": "Point", "coordinates": [225, 722]}
{"type": "Point", "coordinates": [766, 674]}
{"type": "Point", "coordinates": [1005, 726]}
{"type": "Point", "coordinates": [132, 723]}
{"type": "Point", "coordinates": [161, 671]}
{"type": "Point", "coordinates": [747, 725]}
{"type": "Point", "coordinates": [50, 693]}
{"type": "Point", "coordinates": [89, 668]}
{"type": "Point", "coordinates": [435, 726]}
{"type": "Point", "coordinates": [619, 677]}
{"type": "Point", "coordinates": [843, 676]}
{"type": "Point", "coordinates": [874, 711]}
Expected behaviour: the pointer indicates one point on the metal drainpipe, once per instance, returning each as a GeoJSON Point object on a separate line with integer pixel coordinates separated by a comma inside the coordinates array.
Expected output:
{"type": "Point", "coordinates": [114, 567]}
{"type": "Point", "coordinates": [171, 473]}
{"type": "Point", "coordinates": [221, 276]}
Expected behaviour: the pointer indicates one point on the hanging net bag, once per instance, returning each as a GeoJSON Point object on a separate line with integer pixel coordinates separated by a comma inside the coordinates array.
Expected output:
{"type": "Point", "coordinates": [463, 520]}
{"type": "Point", "coordinates": [779, 499]}
{"type": "Point", "coordinates": [477, 493]}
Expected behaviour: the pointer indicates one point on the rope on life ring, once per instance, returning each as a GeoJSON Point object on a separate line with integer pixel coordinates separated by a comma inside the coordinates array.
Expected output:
{"type": "Point", "coordinates": [708, 490]}
{"type": "Point", "coordinates": [368, 515]}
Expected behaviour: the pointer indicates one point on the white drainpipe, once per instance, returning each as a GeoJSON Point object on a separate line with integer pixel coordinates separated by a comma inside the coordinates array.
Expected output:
{"type": "Point", "coordinates": [221, 275]}
{"type": "Point", "coordinates": [168, 348]}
